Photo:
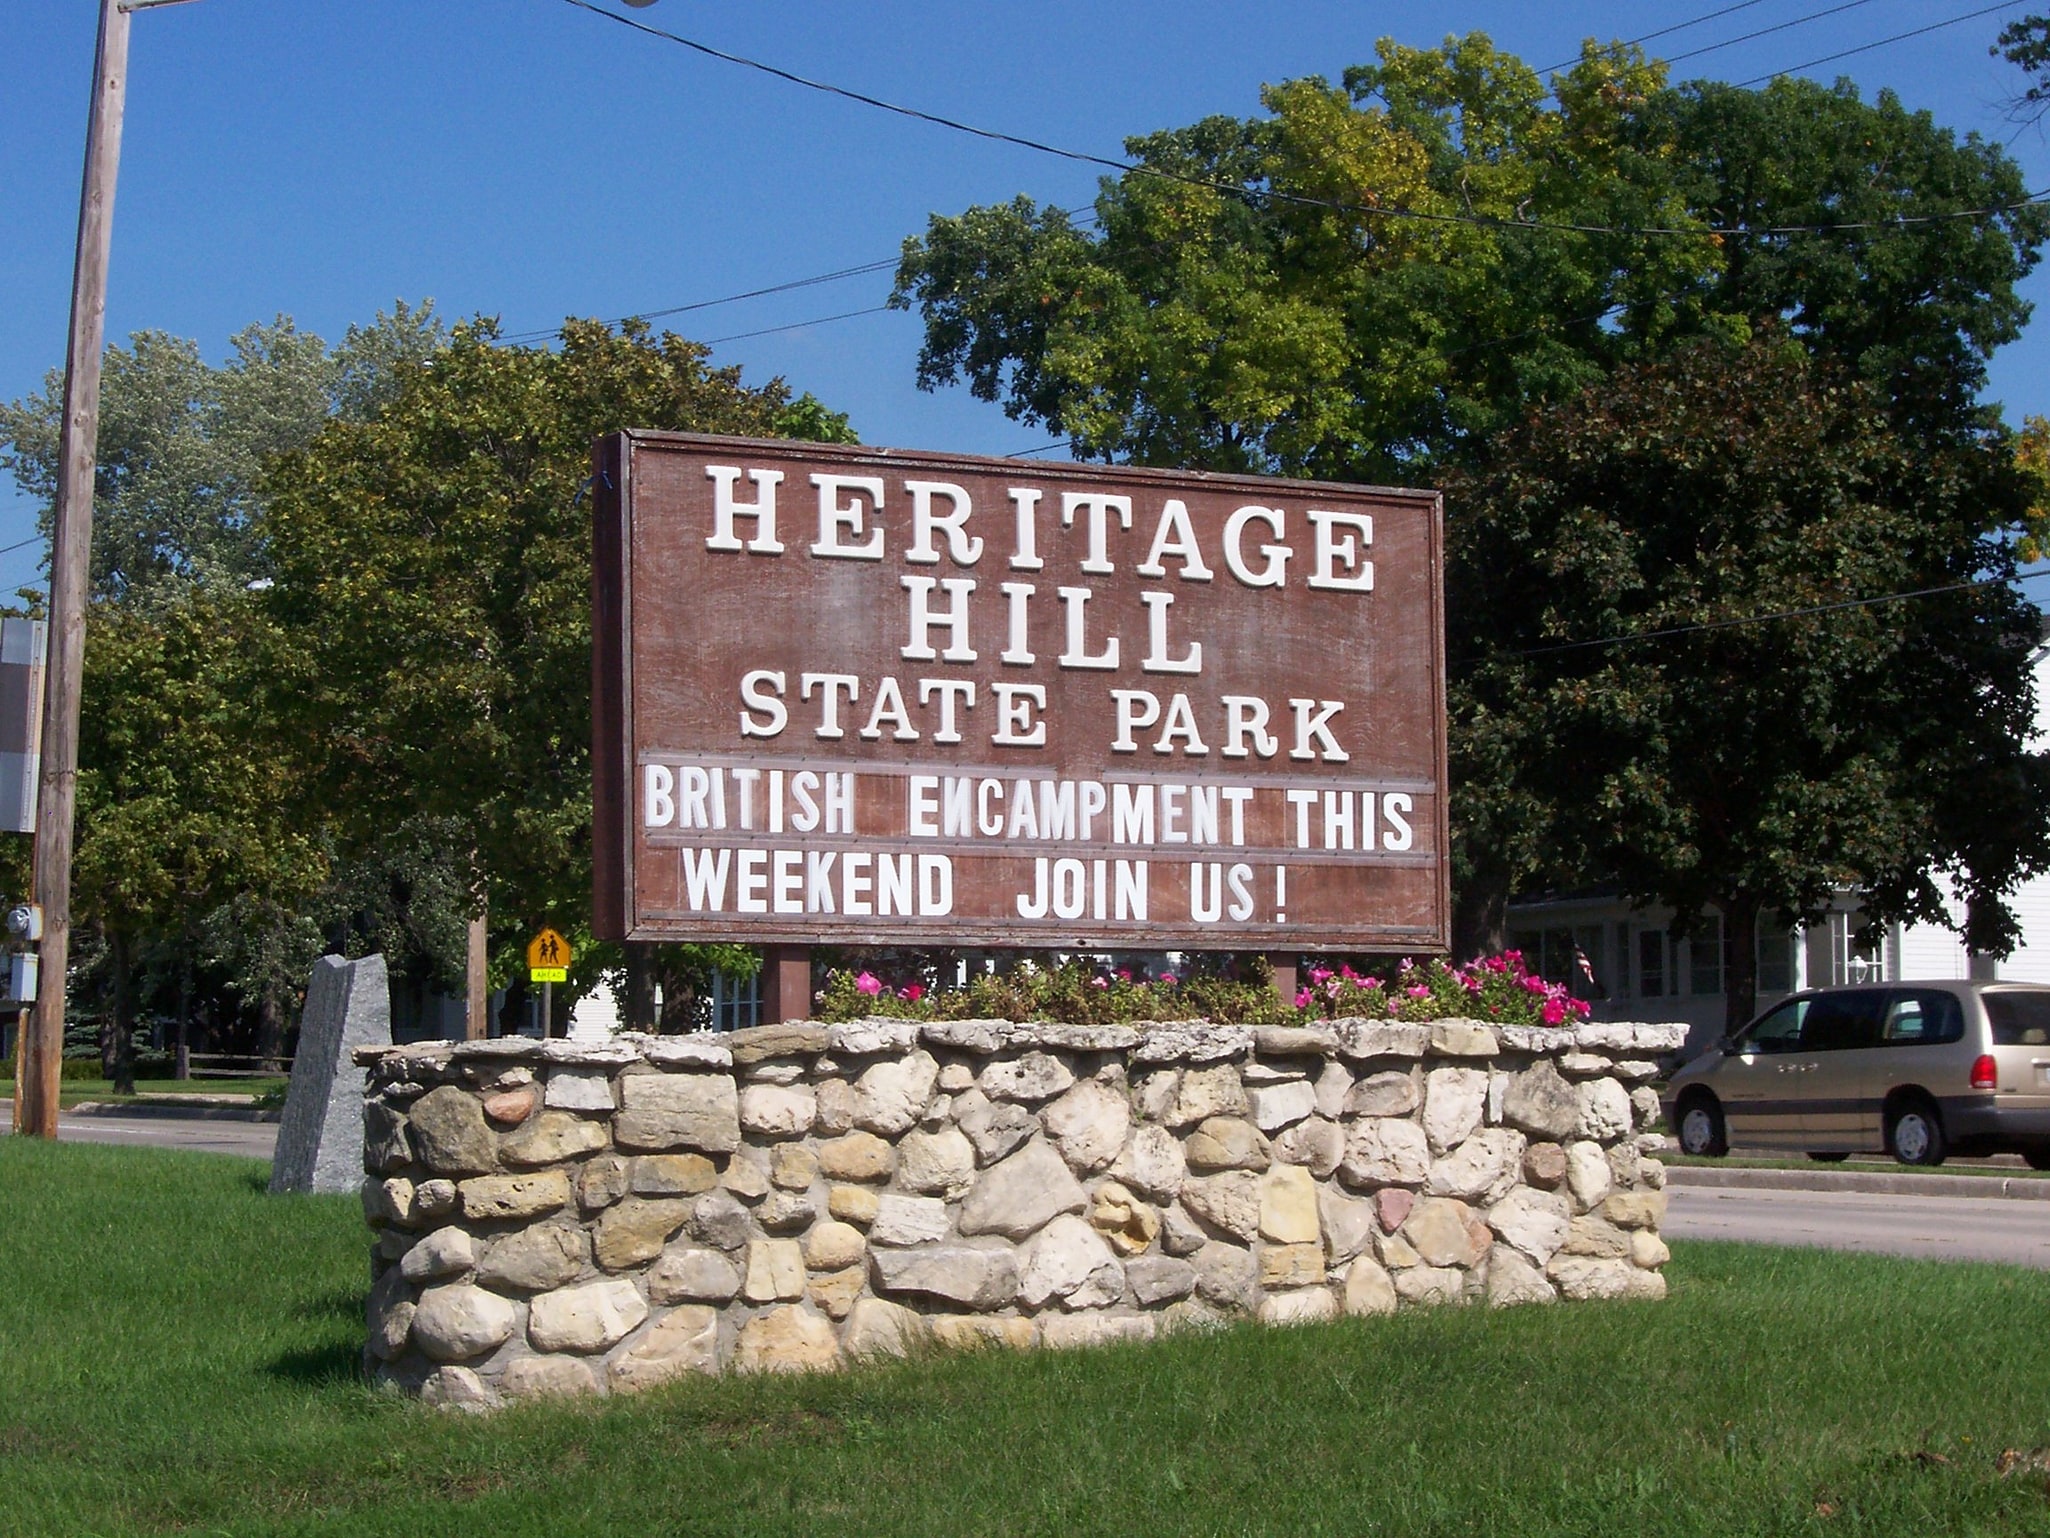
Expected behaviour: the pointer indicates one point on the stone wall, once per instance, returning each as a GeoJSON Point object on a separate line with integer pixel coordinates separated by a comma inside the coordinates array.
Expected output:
{"type": "Point", "coordinates": [567, 1217]}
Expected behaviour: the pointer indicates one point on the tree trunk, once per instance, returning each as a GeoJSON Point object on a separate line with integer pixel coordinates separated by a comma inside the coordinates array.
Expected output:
{"type": "Point", "coordinates": [640, 987]}
{"type": "Point", "coordinates": [1480, 917]}
{"type": "Point", "coordinates": [123, 1067]}
{"type": "Point", "coordinates": [181, 1044]}
{"type": "Point", "coordinates": [512, 1014]}
{"type": "Point", "coordinates": [1740, 955]}
{"type": "Point", "coordinates": [270, 1030]}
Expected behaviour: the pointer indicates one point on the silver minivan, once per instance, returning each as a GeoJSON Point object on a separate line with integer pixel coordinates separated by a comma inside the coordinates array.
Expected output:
{"type": "Point", "coordinates": [1920, 1070]}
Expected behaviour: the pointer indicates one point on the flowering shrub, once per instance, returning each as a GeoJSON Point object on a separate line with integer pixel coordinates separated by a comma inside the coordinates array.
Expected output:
{"type": "Point", "coordinates": [1494, 988]}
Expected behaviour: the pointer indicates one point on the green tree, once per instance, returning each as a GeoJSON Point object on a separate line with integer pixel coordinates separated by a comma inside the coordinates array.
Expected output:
{"type": "Point", "coordinates": [1698, 626]}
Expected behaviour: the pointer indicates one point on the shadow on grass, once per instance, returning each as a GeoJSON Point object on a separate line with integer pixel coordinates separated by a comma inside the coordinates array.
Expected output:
{"type": "Point", "coordinates": [336, 1363]}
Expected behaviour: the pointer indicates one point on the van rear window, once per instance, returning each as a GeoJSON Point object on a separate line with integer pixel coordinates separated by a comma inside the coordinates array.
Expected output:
{"type": "Point", "coordinates": [2020, 1017]}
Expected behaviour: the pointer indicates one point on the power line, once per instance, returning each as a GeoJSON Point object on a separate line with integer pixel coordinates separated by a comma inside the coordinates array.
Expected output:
{"type": "Point", "coordinates": [1784, 26]}
{"type": "Point", "coordinates": [1760, 619]}
{"type": "Point", "coordinates": [797, 325]}
{"type": "Point", "coordinates": [705, 304]}
{"type": "Point", "coordinates": [1130, 168]}
{"type": "Point", "coordinates": [1678, 26]}
{"type": "Point", "coordinates": [1831, 58]}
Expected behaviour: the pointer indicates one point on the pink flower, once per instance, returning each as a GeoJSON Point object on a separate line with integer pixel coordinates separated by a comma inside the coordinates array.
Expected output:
{"type": "Point", "coordinates": [1099, 982]}
{"type": "Point", "coordinates": [912, 991]}
{"type": "Point", "coordinates": [1418, 992]}
{"type": "Point", "coordinates": [1124, 974]}
{"type": "Point", "coordinates": [1167, 979]}
{"type": "Point", "coordinates": [1470, 983]}
{"type": "Point", "coordinates": [1303, 998]}
{"type": "Point", "coordinates": [1554, 1012]}
{"type": "Point", "coordinates": [869, 984]}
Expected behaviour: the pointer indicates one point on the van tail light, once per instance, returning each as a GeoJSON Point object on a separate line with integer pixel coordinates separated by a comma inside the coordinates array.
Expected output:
{"type": "Point", "coordinates": [1985, 1075]}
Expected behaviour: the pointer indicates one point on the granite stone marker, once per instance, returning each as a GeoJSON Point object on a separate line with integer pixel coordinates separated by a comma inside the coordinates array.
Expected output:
{"type": "Point", "coordinates": [320, 1138]}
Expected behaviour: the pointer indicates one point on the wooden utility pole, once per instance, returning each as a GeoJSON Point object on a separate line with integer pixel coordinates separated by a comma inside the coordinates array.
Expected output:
{"type": "Point", "coordinates": [477, 980]}
{"type": "Point", "coordinates": [42, 1038]}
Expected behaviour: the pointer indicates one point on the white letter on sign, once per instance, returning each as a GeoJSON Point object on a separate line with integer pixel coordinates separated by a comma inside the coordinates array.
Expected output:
{"type": "Point", "coordinates": [762, 509]}
{"type": "Point", "coordinates": [833, 517]}
{"type": "Point", "coordinates": [763, 691]}
{"type": "Point", "coordinates": [965, 551]}
{"type": "Point", "coordinates": [923, 620]}
{"type": "Point", "coordinates": [658, 805]}
{"type": "Point", "coordinates": [1331, 550]}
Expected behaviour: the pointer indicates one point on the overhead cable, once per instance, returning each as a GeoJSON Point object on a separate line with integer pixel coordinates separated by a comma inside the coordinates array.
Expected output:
{"type": "Point", "coordinates": [1831, 58]}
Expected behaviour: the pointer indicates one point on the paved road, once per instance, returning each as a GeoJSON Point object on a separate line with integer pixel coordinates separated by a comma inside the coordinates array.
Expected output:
{"type": "Point", "coordinates": [1928, 1227]}
{"type": "Point", "coordinates": [253, 1139]}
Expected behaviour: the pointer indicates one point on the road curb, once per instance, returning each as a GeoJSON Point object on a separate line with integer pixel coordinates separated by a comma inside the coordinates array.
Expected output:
{"type": "Point", "coordinates": [1988, 1187]}
{"type": "Point", "coordinates": [156, 1108]}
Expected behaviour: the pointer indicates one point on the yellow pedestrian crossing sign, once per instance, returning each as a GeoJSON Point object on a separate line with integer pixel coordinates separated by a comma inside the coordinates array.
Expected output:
{"type": "Point", "coordinates": [548, 958]}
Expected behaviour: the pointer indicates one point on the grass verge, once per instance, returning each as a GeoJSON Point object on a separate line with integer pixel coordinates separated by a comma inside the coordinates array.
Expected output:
{"type": "Point", "coordinates": [180, 1354]}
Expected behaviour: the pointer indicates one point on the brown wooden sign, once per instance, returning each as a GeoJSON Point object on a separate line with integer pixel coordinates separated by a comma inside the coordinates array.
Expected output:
{"type": "Point", "coordinates": [866, 696]}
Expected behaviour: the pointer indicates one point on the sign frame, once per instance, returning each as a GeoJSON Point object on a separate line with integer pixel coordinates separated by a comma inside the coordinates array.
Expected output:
{"type": "Point", "coordinates": [613, 747]}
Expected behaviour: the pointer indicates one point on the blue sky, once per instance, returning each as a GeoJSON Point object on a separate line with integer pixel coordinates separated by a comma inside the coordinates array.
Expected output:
{"type": "Point", "coordinates": [527, 159]}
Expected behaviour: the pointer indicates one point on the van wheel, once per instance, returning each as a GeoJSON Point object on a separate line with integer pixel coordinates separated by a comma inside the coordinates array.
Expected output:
{"type": "Point", "coordinates": [1914, 1133]}
{"type": "Point", "coordinates": [1702, 1133]}
{"type": "Point", "coordinates": [2036, 1158]}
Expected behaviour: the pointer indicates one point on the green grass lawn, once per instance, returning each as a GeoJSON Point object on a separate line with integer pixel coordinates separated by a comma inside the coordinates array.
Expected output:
{"type": "Point", "coordinates": [179, 1354]}
{"type": "Point", "coordinates": [75, 1090]}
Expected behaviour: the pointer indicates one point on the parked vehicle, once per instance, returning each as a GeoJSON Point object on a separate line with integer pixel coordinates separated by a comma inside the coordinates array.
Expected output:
{"type": "Point", "coordinates": [1920, 1070]}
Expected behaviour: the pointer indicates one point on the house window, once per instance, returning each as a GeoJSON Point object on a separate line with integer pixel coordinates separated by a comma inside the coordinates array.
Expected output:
{"type": "Point", "coordinates": [1651, 963]}
{"type": "Point", "coordinates": [736, 1001]}
{"type": "Point", "coordinates": [1775, 961]}
{"type": "Point", "coordinates": [1851, 961]}
{"type": "Point", "coordinates": [1705, 956]}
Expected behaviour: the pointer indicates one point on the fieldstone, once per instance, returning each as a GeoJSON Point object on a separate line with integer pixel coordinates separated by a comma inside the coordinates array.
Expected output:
{"type": "Point", "coordinates": [856, 1156]}
{"type": "Point", "coordinates": [1625, 1164]}
{"type": "Point", "coordinates": [1022, 1194]}
{"type": "Point", "coordinates": [1463, 1038]}
{"type": "Point", "coordinates": [872, 1036]}
{"type": "Point", "coordinates": [390, 1315]}
{"type": "Point", "coordinates": [953, 1332]}
{"type": "Point", "coordinates": [1647, 1249]}
{"type": "Point", "coordinates": [1587, 1175]}
{"type": "Point", "coordinates": [786, 1212]}
{"type": "Point", "coordinates": [1157, 1279]}
{"type": "Point", "coordinates": [1347, 1223]}
{"type": "Point", "coordinates": [1541, 1102]}
{"type": "Point", "coordinates": [995, 1130]}
{"type": "Point", "coordinates": [775, 1270]}
{"type": "Point", "coordinates": [1333, 1085]}
{"type": "Point", "coordinates": [573, 1089]}
{"type": "Point", "coordinates": [1282, 1105]}
{"type": "Point", "coordinates": [835, 1098]}
{"type": "Point", "coordinates": [1582, 1278]}
{"type": "Point", "coordinates": [386, 1146]}
{"type": "Point", "coordinates": [1191, 1315]}
{"type": "Point", "coordinates": [1483, 1168]}
{"type": "Point", "coordinates": [445, 1252]}
{"type": "Point", "coordinates": [548, 1377]}
{"type": "Point", "coordinates": [955, 1077]}
{"type": "Point", "coordinates": [1207, 1092]}
{"type": "Point", "coordinates": [776, 1111]}
{"type": "Point", "coordinates": [685, 1174]}
{"type": "Point", "coordinates": [1583, 1064]}
{"type": "Point", "coordinates": [1311, 1305]}
{"type": "Point", "coordinates": [1544, 1164]}
{"type": "Point", "coordinates": [833, 1246]}
{"type": "Point", "coordinates": [450, 1135]}
{"type": "Point", "coordinates": [1153, 1093]}
{"type": "Point", "coordinates": [436, 1199]}
{"type": "Point", "coordinates": [1128, 1223]}
{"type": "Point", "coordinates": [877, 1327]}
{"type": "Point", "coordinates": [890, 1097]}
{"type": "Point", "coordinates": [720, 1220]}
{"type": "Point", "coordinates": [683, 1341]}
{"type": "Point", "coordinates": [602, 1181]}
{"type": "Point", "coordinates": [1088, 1125]}
{"type": "Point", "coordinates": [1431, 1285]}
{"type": "Point", "coordinates": [1644, 1106]}
{"type": "Point", "coordinates": [1061, 1332]}
{"type": "Point", "coordinates": [786, 1038]}
{"type": "Point", "coordinates": [1317, 1145]}
{"type": "Point", "coordinates": [1228, 1276]}
{"type": "Point", "coordinates": [633, 1232]}
{"type": "Point", "coordinates": [1392, 1206]}
{"type": "Point", "coordinates": [1454, 1099]}
{"type": "Point", "coordinates": [1152, 1163]}
{"type": "Point", "coordinates": [1650, 1171]}
{"type": "Point", "coordinates": [1513, 1279]}
{"type": "Point", "coordinates": [1032, 1078]}
{"type": "Point", "coordinates": [773, 1073]}
{"type": "Point", "coordinates": [1227, 1143]}
{"type": "Point", "coordinates": [1388, 1093]}
{"type": "Point", "coordinates": [1229, 1203]}
{"type": "Point", "coordinates": [389, 1201]}
{"type": "Point", "coordinates": [793, 1166]}
{"type": "Point", "coordinates": [1291, 1265]}
{"type": "Point", "coordinates": [1387, 1152]}
{"type": "Point", "coordinates": [510, 1107]}
{"type": "Point", "coordinates": [787, 1340]}
{"type": "Point", "coordinates": [853, 1204]}
{"type": "Point", "coordinates": [835, 1291]}
{"type": "Point", "coordinates": [458, 1321]}
{"type": "Point", "coordinates": [535, 1259]}
{"type": "Point", "coordinates": [688, 1274]}
{"type": "Point", "coordinates": [392, 1244]}
{"type": "Point", "coordinates": [1535, 1222]}
{"type": "Point", "coordinates": [1635, 1209]}
{"type": "Point", "coordinates": [940, 1162]}
{"type": "Point", "coordinates": [1368, 1288]}
{"type": "Point", "coordinates": [745, 1177]}
{"type": "Point", "coordinates": [1181, 1234]}
{"type": "Point", "coordinates": [904, 1220]}
{"type": "Point", "coordinates": [1361, 1037]}
{"type": "Point", "coordinates": [456, 1388]}
{"type": "Point", "coordinates": [553, 1137]}
{"type": "Point", "coordinates": [1597, 1237]}
{"type": "Point", "coordinates": [1439, 1230]}
{"type": "Point", "coordinates": [489, 1198]}
{"type": "Point", "coordinates": [1288, 1206]}
{"type": "Point", "coordinates": [958, 1273]}
{"type": "Point", "coordinates": [1604, 1110]}
{"type": "Point", "coordinates": [1068, 1260]}
{"type": "Point", "coordinates": [678, 1110]}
